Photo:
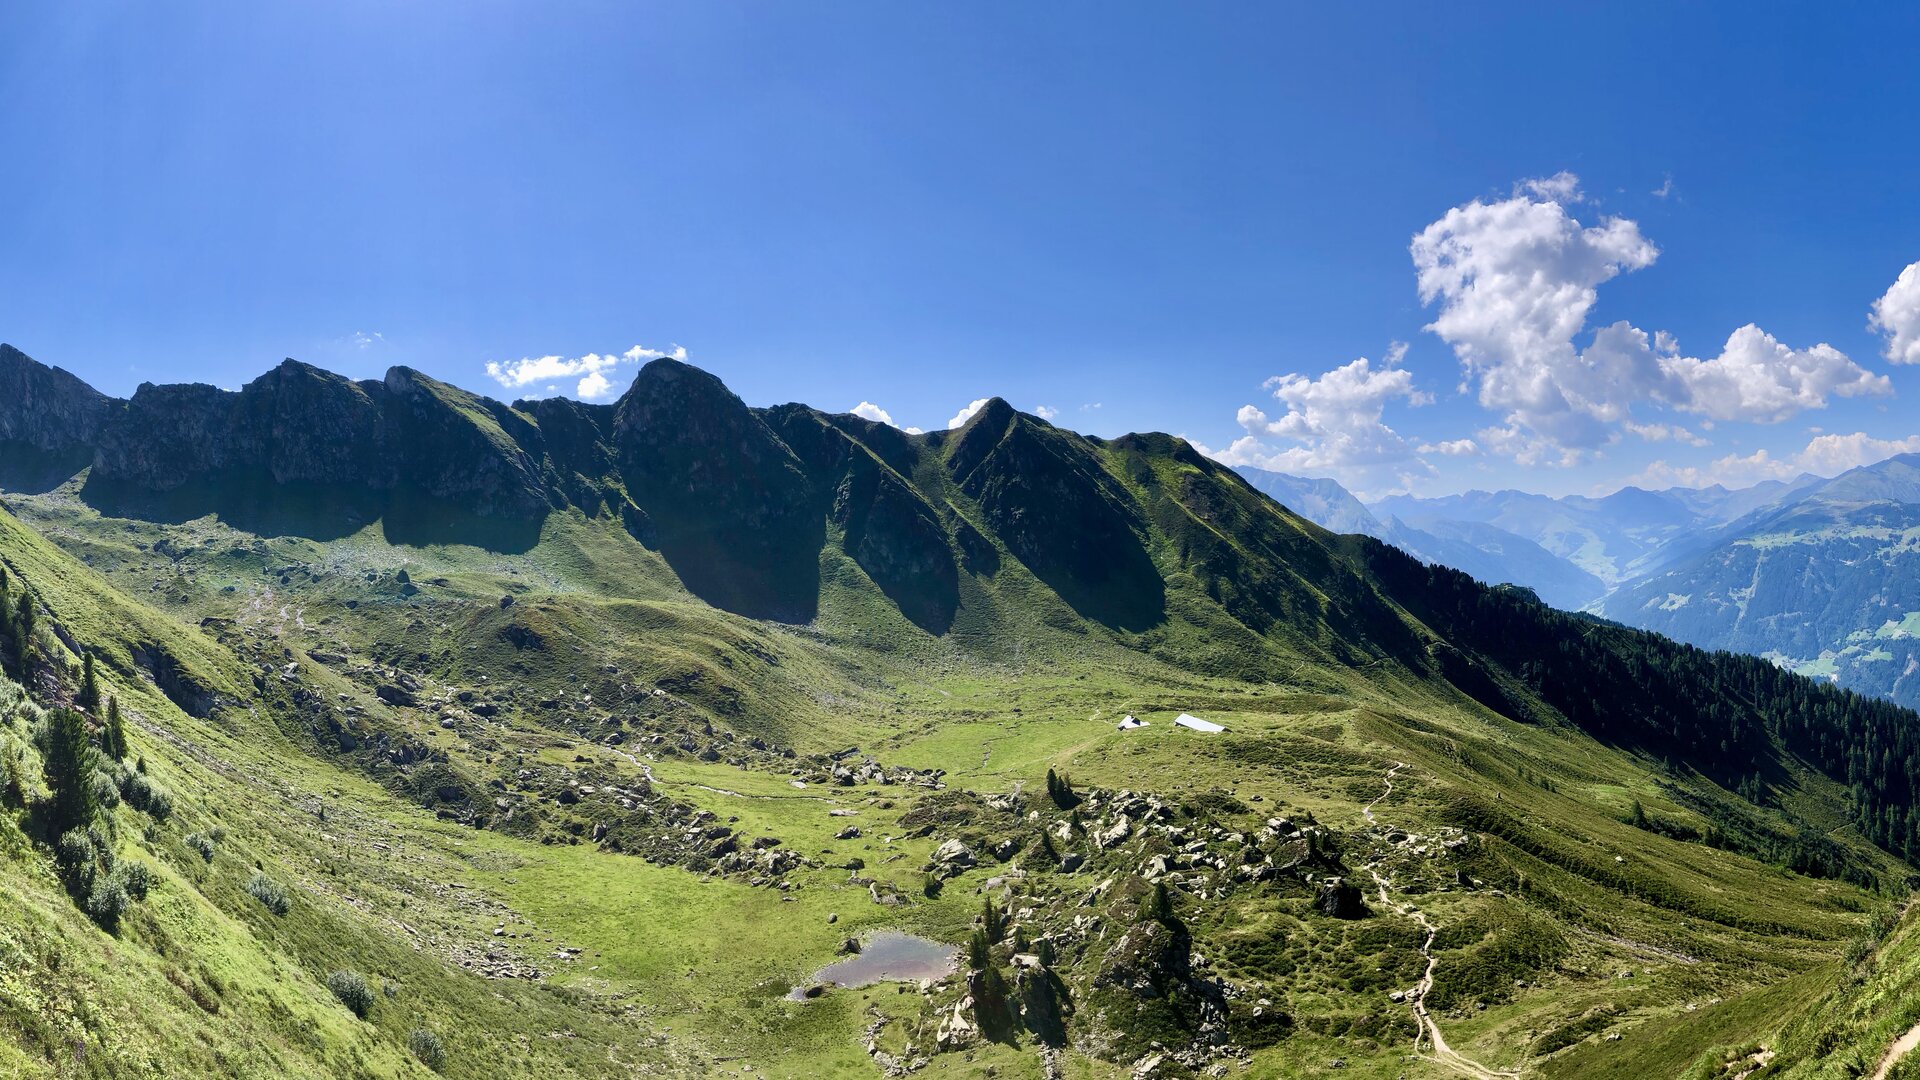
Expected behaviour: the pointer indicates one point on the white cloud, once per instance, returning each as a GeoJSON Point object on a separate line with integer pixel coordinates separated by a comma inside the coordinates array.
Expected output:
{"type": "Point", "coordinates": [362, 339]}
{"type": "Point", "coordinates": [867, 410]}
{"type": "Point", "coordinates": [1561, 187]}
{"type": "Point", "coordinates": [591, 370]}
{"type": "Point", "coordinates": [1665, 189]}
{"type": "Point", "coordinates": [1045, 412]}
{"type": "Point", "coordinates": [1824, 455]}
{"type": "Point", "coordinates": [1515, 281]}
{"type": "Point", "coordinates": [1897, 315]}
{"type": "Point", "coordinates": [1336, 422]}
{"type": "Point", "coordinates": [1451, 448]}
{"type": "Point", "coordinates": [966, 413]}
{"type": "Point", "coordinates": [1756, 378]}
{"type": "Point", "coordinates": [1666, 432]}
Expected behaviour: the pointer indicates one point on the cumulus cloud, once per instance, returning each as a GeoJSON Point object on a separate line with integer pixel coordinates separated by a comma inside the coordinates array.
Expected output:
{"type": "Point", "coordinates": [1515, 281]}
{"type": "Point", "coordinates": [1897, 315]}
{"type": "Point", "coordinates": [867, 410]}
{"type": "Point", "coordinates": [1561, 187]}
{"type": "Point", "coordinates": [1824, 455]}
{"type": "Point", "coordinates": [1666, 432]}
{"type": "Point", "coordinates": [363, 339]}
{"type": "Point", "coordinates": [966, 413]}
{"type": "Point", "coordinates": [1045, 412]}
{"type": "Point", "coordinates": [1335, 423]}
{"type": "Point", "coordinates": [1756, 378]}
{"type": "Point", "coordinates": [590, 370]}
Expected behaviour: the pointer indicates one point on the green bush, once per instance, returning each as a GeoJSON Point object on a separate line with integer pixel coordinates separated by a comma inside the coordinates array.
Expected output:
{"type": "Point", "coordinates": [136, 879]}
{"type": "Point", "coordinates": [143, 794]}
{"type": "Point", "coordinates": [115, 887]}
{"type": "Point", "coordinates": [201, 843]}
{"type": "Point", "coordinates": [15, 772]}
{"type": "Point", "coordinates": [353, 992]}
{"type": "Point", "coordinates": [271, 894]}
{"type": "Point", "coordinates": [105, 790]}
{"type": "Point", "coordinates": [74, 850]}
{"type": "Point", "coordinates": [428, 1048]}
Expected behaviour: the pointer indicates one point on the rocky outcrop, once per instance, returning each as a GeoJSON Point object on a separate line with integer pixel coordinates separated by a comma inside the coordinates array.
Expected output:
{"type": "Point", "coordinates": [1340, 899]}
{"type": "Point", "coordinates": [298, 424]}
{"type": "Point", "coordinates": [458, 446]}
{"type": "Point", "coordinates": [888, 528]}
{"type": "Point", "coordinates": [729, 504]}
{"type": "Point", "coordinates": [167, 436]}
{"type": "Point", "coordinates": [46, 408]}
{"type": "Point", "coordinates": [1049, 499]}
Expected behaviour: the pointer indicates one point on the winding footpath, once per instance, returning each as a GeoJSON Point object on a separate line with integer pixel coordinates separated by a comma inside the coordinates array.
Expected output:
{"type": "Point", "coordinates": [1441, 1054]}
{"type": "Point", "coordinates": [1901, 1047]}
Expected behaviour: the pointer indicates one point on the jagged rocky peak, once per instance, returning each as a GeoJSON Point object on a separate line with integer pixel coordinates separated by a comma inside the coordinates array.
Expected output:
{"type": "Point", "coordinates": [727, 502]}
{"type": "Point", "coordinates": [167, 436]}
{"type": "Point", "coordinates": [306, 424]}
{"type": "Point", "coordinates": [47, 408]}
{"type": "Point", "coordinates": [463, 447]}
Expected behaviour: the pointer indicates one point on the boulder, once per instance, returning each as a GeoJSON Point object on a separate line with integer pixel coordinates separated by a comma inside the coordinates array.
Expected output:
{"type": "Point", "coordinates": [1340, 899]}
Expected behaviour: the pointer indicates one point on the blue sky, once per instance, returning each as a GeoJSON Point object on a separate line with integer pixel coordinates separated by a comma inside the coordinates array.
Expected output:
{"type": "Point", "coordinates": [1134, 216]}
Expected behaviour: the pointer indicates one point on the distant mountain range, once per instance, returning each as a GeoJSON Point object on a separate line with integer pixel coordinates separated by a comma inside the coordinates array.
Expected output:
{"type": "Point", "coordinates": [1820, 575]}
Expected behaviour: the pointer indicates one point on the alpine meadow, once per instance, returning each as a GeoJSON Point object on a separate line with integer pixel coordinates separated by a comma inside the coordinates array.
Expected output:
{"type": "Point", "coordinates": [1135, 541]}
{"type": "Point", "coordinates": [369, 728]}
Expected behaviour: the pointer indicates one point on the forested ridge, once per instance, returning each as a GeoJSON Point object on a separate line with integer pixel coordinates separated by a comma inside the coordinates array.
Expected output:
{"type": "Point", "coordinates": [1713, 711]}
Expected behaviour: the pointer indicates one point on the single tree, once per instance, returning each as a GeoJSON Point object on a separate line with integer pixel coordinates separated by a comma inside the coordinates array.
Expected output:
{"type": "Point", "coordinates": [116, 733]}
{"type": "Point", "coordinates": [26, 623]}
{"type": "Point", "coordinates": [68, 763]}
{"type": "Point", "coordinates": [1159, 905]}
{"type": "Point", "coordinates": [1060, 790]}
{"type": "Point", "coordinates": [993, 923]}
{"type": "Point", "coordinates": [89, 699]}
{"type": "Point", "coordinates": [979, 951]}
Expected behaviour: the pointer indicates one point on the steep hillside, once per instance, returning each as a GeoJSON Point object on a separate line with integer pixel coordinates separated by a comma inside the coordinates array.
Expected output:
{"type": "Point", "coordinates": [1827, 583]}
{"type": "Point", "coordinates": [622, 723]}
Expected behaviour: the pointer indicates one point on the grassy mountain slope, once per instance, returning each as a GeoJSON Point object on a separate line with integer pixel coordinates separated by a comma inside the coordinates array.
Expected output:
{"type": "Point", "coordinates": [1825, 583]}
{"type": "Point", "coordinates": [672, 812]}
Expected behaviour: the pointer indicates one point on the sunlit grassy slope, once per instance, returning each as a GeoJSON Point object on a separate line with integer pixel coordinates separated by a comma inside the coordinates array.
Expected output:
{"type": "Point", "coordinates": [1571, 940]}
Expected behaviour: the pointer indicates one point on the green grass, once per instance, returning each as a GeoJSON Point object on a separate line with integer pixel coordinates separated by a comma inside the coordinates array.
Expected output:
{"type": "Point", "coordinates": [687, 973]}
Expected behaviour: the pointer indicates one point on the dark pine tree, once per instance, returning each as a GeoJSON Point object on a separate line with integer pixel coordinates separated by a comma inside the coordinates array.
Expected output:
{"type": "Point", "coordinates": [116, 733]}
{"type": "Point", "coordinates": [69, 768]}
{"type": "Point", "coordinates": [89, 699]}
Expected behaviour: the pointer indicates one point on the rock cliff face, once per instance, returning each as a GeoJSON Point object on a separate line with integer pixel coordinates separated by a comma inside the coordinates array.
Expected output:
{"type": "Point", "coordinates": [46, 408]}
{"type": "Point", "coordinates": [731, 506]}
{"type": "Point", "coordinates": [298, 424]}
{"type": "Point", "coordinates": [740, 502]}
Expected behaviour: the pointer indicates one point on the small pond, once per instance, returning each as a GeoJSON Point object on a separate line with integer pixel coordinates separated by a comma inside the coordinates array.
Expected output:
{"type": "Point", "coordinates": [887, 956]}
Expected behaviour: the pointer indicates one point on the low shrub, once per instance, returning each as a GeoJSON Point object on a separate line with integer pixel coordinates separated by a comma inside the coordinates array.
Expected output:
{"type": "Point", "coordinates": [353, 992]}
{"type": "Point", "coordinates": [428, 1048]}
{"type": "Point", "coordinates": [271, 894]}
{"type": "Point", "coordinates": [202, 844]}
